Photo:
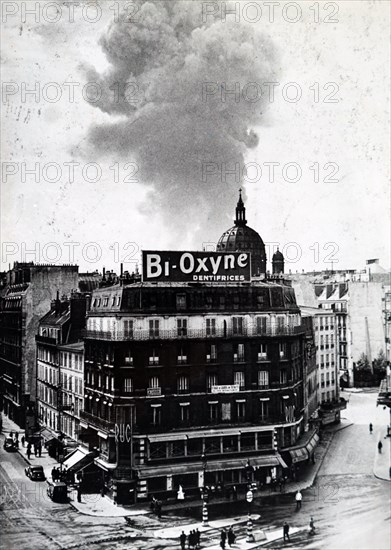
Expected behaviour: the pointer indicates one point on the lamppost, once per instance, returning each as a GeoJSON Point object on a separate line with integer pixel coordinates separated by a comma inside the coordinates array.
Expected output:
{"type": "Point", "coordinates": [249, 498]}
{"type": "Point", "coordinates": [205, 517]}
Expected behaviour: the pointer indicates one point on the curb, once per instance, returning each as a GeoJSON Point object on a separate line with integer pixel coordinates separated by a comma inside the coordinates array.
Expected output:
{"type": "Point", "coordinates": [381, 478]}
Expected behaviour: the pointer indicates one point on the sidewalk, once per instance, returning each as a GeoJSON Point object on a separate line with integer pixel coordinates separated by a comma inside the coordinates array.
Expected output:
{"type": "Point", "coordinates": [96, 505]}
{"type": "Point", "coordinates": [44, 460]}
{"type": "Point", "coordinates": [261, 536]}
{"type": "Point", "coordinates": [382, 465]}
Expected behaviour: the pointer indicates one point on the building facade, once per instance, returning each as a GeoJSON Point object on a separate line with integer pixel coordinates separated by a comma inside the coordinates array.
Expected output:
{"type": "Point", "coordinates": [60, 372]}
{"type": "Point", "coordinates": [175, 372]}
{"type": "Point", "coordinates": [25, 298]}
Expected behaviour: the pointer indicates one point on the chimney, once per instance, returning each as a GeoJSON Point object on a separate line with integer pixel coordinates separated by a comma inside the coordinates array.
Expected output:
{"type": "Point", "coordinates": [122, 270]}
{"type": "Point", "coordinates": [104, 274]}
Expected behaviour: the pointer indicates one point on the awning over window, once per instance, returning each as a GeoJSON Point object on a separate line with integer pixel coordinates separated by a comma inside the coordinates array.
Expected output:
{"type": "Point", "coordinates": [212, 466]}
{"type": "Point", "coordinates": [78, 460]}
{"type": "Point", "coordinates": [156, 438]}
{"type": "Point", "coordinates": [312, 444]}
{"type": "Point", "coordinates": [298, 455]}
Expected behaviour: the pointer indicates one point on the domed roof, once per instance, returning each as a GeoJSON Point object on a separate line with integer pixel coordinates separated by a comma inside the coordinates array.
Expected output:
{"type": "Point", "coordinates": [278, 255]}
{"type": "Point", "coordinates": [241, 238]}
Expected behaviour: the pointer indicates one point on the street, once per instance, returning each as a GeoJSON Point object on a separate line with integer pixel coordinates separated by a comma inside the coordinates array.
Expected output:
{"type": "Point", "coordinates": [350, 506]}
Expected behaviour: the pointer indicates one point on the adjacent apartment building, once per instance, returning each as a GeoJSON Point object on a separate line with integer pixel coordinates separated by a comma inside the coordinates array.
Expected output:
{"type": "Point", "coordinates": [25, 298]}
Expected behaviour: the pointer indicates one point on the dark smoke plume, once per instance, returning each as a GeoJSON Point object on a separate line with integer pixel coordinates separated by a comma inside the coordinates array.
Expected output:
{"type": "Point", "coordinates": [165, 124]}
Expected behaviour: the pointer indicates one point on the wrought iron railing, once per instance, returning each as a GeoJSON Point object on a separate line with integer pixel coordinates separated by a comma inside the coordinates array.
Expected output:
{"type": "Point", "coordinates": [192, 333]}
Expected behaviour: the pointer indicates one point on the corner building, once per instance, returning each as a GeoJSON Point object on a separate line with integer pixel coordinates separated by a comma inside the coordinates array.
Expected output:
{"type": "Point", "coordinates": [174, 372]}
{"type": "Point", "coordinates": [195, 384]}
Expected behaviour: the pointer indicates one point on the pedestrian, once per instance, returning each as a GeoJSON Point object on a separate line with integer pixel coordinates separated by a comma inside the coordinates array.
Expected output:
{"type": "Point", "coordinates": [182, 540]}
{"type": "Point", "coordinates": [28, 452]}
{"type": "Point", "coordinates": [370, 428]}
{"type": "Point", "coordinates": [379, 446]}
{"type": "Point", "coordinates": [298, 498]}
{"type": "Point", "coordinates": [158, 508]}
{"type": "Point", "coordinates": [152, 505]}
{"type": "Point", "coordinates": [312, 526]}
{"type": "Point", "coordinates": [197, 538]}
{"type": "Point", "coordinates": [223, 537]}
{"type": "Point", "coordinates": [191, 539]}
{"type": "Point", "coordinates": [23, 440]}
{"type": "Point", "coordinates": [53, 473]}
{"type": "Point", "coordinates": [234, 493]}
{"type": "Point", "coordinates": [79, 493]}
{"type": "Point", "coordinates": [39, 449]}
{"type": "Point", "coordinates": [285, 531]}
{"type": "Point", "coordinates": [35, 449]}
{"type": "Point", "coordinates": [231, 536]}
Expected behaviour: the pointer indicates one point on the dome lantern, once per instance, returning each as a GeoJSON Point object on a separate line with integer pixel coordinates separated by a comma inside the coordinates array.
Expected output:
{"type": "Point", "coordinates": [241, 238]}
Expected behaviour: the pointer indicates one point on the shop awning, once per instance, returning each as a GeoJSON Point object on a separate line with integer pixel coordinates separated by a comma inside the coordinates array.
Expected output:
{"type": "Point", "coordinates": [77, 460]}
{"type": "Point", "coordinates": [312, 444]}
{"type": "Point", "coordinates": [298, 455]}
{"type": "Point", "coordinates": [212, 466]}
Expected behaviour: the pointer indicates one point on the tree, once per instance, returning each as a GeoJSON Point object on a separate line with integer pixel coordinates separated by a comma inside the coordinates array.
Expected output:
{"type": "Point", "coordinates": [363, 363]}
{"type": "Point", "coordinates": [380, 363]}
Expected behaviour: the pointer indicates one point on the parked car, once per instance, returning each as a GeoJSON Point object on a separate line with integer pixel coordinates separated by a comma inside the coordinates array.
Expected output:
{"type": "Point", "coordinates": [35, 473]}
{"type": "Point", "coordinates": [10, 444]}
{"type": "Point", "coordinates": [57, 491]}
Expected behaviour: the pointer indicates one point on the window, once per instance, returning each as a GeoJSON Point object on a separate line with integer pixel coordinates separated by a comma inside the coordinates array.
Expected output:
{"type": "Point", "coordinates": [212, 355]}
{"type": "Point", "coordinates": [211, 380]}
{"type": "Point", "coordinates": [184, 412]}
{"type": "Point", "coordinates": [210, 327]}
{"type": "Point", "coordinates": [181, 301]}
{"type": "Point", "coordinates": [154, 359]}
{"type": "Point", "coordinates": [154, 328]}
{"type": "Point", "coordinates": [181, 327]}
{"type": "Point", "coordinates": [225, 411]}
{"type": "Point", "coordinates": [263, 378]}
{"type": "Point", "coordinates": [154, 382]}
{"type": "Point", "coordinates": [282, 349]}
{"type": "Point", "coordinates": [183, 383]}
{"type": "Point", "coordinates": [263, 409]}
{"type": "Point", "coordinates": [262, 352]}
{"type": "Point", "coordinates": [283, 376]}
{"type": "Point", "coordinates": [237, 325]}
{"type": "Point", "coordinates": [128, 385]}
{"type": "Point", "coordinates": [280, 323]}
{"type": "Point", "coordinates": [128, 357]}
{"type": "Point", "coordinates": [239, 379]}
{"type": "Point", "coordinates": [105, 302]}
{"type": "Point", "coordinates": [239, 352]}
{"type": "Point", "coordinates": [240, 410]}
{"type": "Point", "coordinates": [261, 325]}
{"type": "Point", "coordinates": [128, 328]}
{"type": "Point", "coordinates": [156, 415]}
{"type": "Point", "coordinates": [213, 411]}
{"type": "Point", "coordinates": [182, 358]}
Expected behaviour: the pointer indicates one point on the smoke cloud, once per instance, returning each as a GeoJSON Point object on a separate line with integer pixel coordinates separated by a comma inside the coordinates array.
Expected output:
{"type": "Point", "coordinates": [160, 118]}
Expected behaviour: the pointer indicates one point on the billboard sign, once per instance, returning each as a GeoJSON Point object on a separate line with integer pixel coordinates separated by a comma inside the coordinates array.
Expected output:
{"type": "Point", "coordinates": [215, 267]}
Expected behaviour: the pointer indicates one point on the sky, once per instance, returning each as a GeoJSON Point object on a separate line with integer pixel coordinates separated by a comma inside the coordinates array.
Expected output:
{"type": "Point", "coordinates": [138, 144]}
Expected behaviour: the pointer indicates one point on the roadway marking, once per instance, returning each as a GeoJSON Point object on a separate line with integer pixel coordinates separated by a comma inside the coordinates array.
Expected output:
{"type": "Point", "coordinates": [11, 470]}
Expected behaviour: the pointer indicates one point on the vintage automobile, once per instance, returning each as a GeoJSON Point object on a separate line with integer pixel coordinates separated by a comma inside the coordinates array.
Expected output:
{"type": "Point", "coordinates": [57, 491]}
{"type": "Point", "coordinates": [35, 473]}
{"type": "Point", "coordinates": [10, 444]}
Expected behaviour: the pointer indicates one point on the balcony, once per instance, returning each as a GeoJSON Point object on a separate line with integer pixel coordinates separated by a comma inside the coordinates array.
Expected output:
{"type": "Point", "coordinates": [96, 422]}
{"type": "Point", "coordinates": [191, 333]}
{"type": "Point", "coordinates": [46, 340]}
